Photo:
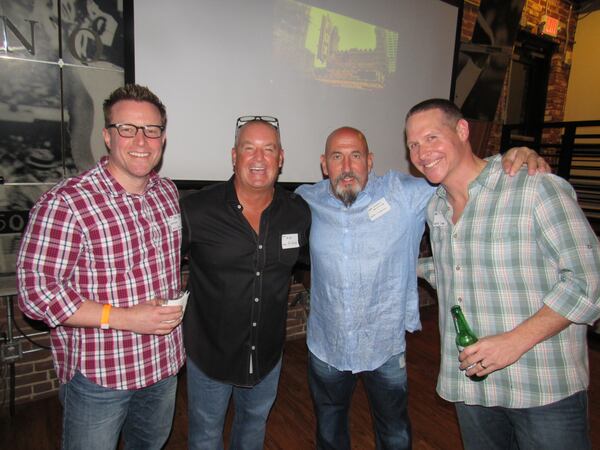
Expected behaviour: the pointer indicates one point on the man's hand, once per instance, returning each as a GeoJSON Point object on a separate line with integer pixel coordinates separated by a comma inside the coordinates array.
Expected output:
{"type": "Point", "coordinates": [491, 353]}
{"type": "Point", "coordinates": [514, 159]}
{"type": "Point", "coordinates": [147, 318]}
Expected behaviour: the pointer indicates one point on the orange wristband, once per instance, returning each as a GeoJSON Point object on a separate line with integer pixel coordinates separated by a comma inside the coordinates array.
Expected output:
{"type": "Point", "coordinates": [105, 314]}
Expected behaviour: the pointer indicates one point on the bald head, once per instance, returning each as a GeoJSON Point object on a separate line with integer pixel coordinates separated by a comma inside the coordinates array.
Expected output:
{"type": "Point", "coordinates": [348, 132]}
{"type": "Point", "coordinates": [347, 162]}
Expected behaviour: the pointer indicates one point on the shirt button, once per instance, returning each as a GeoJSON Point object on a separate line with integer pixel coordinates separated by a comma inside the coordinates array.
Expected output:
{"type": "Point", "coordinates": [253, 324]}
{"type": "Point", "coordinates": [256, 300]}
{"type": "Point", "coordinates": [258, 274]}
{"type": "Point", "coordinates": [458, 267]}
{"type": "Point", "coordinates": [253, 347]}
{"type": "Point", "coordinates": [459, 299]}
{"type": "Point", "coordinates": [239, 206]}
{"type": "Point", "coordinates": [454, 235]}
{"type": "Point", "coordinates": [260, 246]}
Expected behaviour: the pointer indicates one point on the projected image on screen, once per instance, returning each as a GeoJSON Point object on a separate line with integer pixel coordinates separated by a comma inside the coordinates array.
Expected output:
{"type": "Point", "coordinates": [332, 48]}
{"type": "Point", "coordinates": [316, 65]}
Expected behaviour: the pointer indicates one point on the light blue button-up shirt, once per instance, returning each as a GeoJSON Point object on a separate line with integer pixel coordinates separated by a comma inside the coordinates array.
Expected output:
{"type": "Point", "coordinates": [363, 270]}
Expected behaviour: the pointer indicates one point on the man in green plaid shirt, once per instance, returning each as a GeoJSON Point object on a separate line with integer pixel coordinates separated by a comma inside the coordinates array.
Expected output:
{"type": "Point", "coordinates": [520, 258]}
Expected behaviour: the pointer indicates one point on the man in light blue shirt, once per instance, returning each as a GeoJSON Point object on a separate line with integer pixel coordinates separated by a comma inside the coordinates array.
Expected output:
{"type": "Point", "coordinates": [364, 245]}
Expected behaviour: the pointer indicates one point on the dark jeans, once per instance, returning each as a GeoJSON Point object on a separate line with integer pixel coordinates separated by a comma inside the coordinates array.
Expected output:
{"type": "Point", "coordinates": [387, 390]}
{"type": "Point", "coordinates": [560, 425]}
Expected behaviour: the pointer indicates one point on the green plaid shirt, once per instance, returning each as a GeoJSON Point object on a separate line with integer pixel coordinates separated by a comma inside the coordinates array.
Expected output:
{"type": "Point", "coordinates": [520, 243]}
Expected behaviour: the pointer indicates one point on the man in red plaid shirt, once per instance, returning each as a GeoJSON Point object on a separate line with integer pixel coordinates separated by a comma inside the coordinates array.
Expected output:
{"type": "Point", "coordinates": [100, 253]}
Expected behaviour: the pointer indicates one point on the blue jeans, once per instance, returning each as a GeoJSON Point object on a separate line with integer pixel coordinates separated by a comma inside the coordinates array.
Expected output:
{"type": "Point", "coordinates": [208, 400]}
{"type": "Point", "coordinates": [94, 416]}
{"type": "Point", "coordinates": [387, 390]}
{"type": "Point", "coordinates": [559, 425]}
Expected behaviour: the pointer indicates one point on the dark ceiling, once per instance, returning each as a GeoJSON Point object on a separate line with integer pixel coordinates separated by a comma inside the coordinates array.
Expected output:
{"type": "Point", "coordinates": [585, 6]}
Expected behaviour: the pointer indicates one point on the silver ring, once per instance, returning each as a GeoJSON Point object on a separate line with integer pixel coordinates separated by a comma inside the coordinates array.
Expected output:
{"type": "Point", "coordinates": [481, 364]}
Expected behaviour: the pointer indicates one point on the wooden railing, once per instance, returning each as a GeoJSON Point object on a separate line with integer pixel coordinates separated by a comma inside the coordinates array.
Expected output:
{"type": "Point", "coordinates": [573, 151]}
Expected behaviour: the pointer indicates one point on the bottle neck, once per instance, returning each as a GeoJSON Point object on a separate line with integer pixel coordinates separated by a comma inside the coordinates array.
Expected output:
{"type": "Point", "coordinates": [460, 323]}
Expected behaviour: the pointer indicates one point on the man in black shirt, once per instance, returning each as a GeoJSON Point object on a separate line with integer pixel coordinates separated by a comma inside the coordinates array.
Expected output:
{"type": "Point", "coordinates": [243, 238]}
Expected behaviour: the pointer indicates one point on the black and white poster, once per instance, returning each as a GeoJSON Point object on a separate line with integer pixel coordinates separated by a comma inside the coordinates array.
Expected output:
{"type": "Point", "coordinates": [58, 60]}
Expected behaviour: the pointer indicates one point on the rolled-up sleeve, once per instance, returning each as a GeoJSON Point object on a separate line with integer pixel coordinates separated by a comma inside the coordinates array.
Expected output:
{"type": "Point", "coordinates": [567, 238]}
{"type": "Point", "coordinates": [50, 249]}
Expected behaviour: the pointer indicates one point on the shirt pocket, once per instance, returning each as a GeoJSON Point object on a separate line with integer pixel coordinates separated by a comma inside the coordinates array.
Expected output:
{"type": "Point", "coordinates": [112, 251]}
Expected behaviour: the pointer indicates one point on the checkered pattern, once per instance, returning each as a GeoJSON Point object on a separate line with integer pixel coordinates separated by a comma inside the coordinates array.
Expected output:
{"type": "Point", "coordinates": [520, 243]}
{"type": "Point", "coordinates": [88, 238]}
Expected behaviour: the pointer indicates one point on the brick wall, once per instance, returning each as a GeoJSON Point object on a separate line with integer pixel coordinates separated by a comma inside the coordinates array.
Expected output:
{"type": "Point", "coordinates": [560, 66]}
{"type": "Point", "coordinates": [298, 309]}
{"type": "Point", "coordinates": [34, 374]}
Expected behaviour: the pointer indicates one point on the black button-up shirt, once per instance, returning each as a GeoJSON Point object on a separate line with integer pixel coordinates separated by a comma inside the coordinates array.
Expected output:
{"type": "Point", "coordinates": [235, 322]}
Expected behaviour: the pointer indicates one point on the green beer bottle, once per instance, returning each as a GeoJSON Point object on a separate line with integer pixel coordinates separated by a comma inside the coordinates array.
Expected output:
{"type": "Point", "coordinates": [464, 335]}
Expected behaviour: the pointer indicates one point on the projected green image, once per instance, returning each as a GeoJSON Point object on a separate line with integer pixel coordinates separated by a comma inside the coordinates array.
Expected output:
{"type": "Point", "coordinates": [335, 49]}
{"type": "Point", "coordinates": [346, 34]}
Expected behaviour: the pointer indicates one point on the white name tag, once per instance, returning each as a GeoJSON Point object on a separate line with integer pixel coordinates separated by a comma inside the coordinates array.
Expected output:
{"type": "Point", "coordinates": [438, 220]}
{"type": "Point", "coordinates": [289, 241]}
{"type": "Point", "coordinates": [378, 209]}
{"type": "Point", "coordinates": [174, 222]}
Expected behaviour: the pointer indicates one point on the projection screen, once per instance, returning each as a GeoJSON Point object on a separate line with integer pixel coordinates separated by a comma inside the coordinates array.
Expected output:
{"type": "Point", "coordinates": [314, 65]}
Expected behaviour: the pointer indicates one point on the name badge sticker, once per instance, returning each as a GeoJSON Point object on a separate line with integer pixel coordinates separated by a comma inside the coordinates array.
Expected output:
{"type": "Point", "coordinates": [289, 241]}
{"type": "Point", "coordinates": [378, 209]}
{"type": "Point", "coordinates": [438, 220]}
{"type": "Point", "coordinates": [174, 222]}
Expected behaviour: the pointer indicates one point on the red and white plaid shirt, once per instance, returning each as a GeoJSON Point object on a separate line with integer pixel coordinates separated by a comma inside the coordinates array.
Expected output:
{"type": "Point", "coordinates": [87, 238]}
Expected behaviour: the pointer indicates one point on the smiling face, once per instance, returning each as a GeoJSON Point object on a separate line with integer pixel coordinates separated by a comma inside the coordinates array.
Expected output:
{"type": "Point", "coordinates": [347, 162]}
{"type": "Point", "coordinates": [257, 157]}
{"type": "Point", "coordinates": [130, 160]}
{"type": "Point", "coordinates": [437, 146]}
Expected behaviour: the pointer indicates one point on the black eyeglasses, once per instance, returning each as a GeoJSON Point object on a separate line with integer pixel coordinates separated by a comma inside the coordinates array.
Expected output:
{"type": "Point", "coordinates": [128, 130]}
{"type": "Point", "coordinates": [241, 121]}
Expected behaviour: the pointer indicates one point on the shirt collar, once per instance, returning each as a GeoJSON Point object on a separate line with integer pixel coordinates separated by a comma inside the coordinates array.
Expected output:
{"type": "Point", "coordinates": [491, 173]}
{"type": "Point", "coordinates": [115, 187]}
{"type": "Point", "coordinates": [232, 198]}
{"type": "Point", "coordinates": [230, 195]}
{"type": "Point", "coordinates": [487, 179]}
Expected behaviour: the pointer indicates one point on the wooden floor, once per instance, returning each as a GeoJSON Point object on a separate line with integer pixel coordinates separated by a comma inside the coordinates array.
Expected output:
{"type": "Point", "coordinates": [291, 425]}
